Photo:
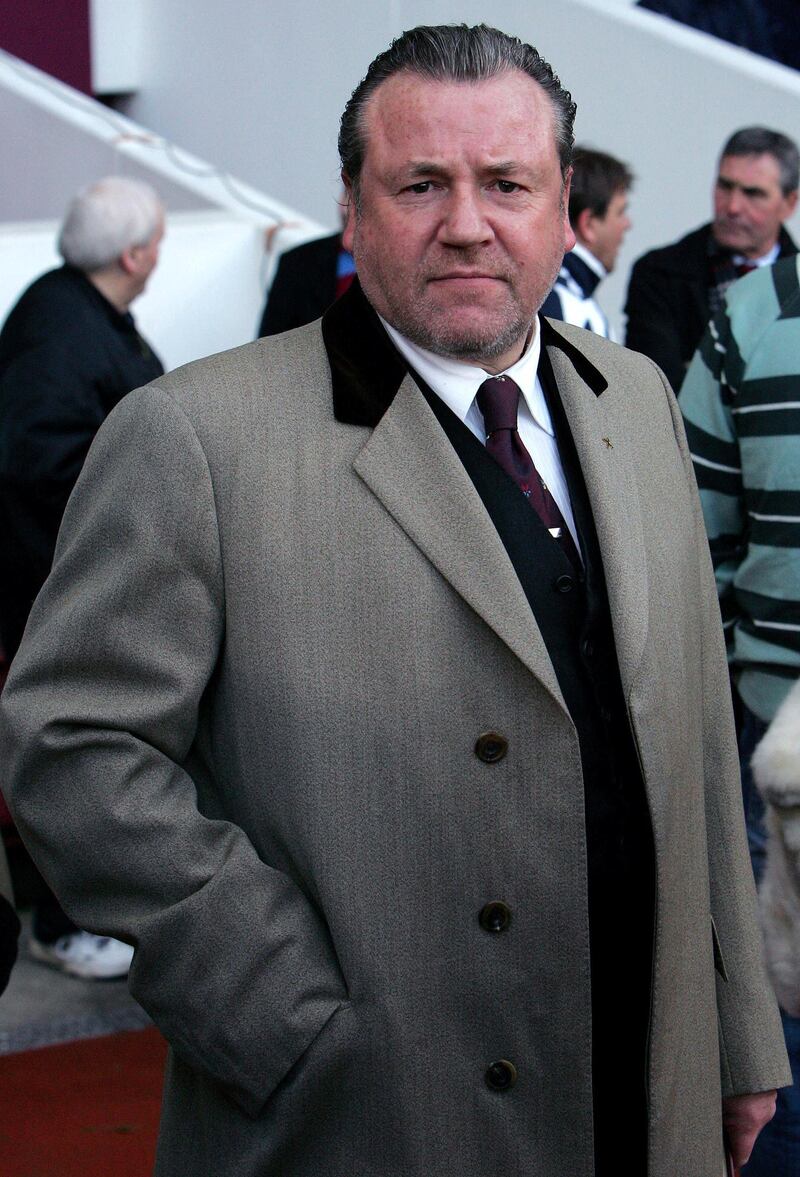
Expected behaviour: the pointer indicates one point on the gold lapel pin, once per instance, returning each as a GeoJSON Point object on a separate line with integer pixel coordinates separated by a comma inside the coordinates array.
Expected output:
{"type": "Point", "coordinates": [607, 440]}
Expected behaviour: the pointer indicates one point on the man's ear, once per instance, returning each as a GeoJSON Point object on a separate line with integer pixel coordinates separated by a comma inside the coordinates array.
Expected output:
{"type": "Point", "coordinates": [128, 260]}
{"type": "Point", "coordinates": [348, 232]}
{"type": "Point", "coordinates": [569, 235]}
{"type": "Point", "coordinates": [585, 227]}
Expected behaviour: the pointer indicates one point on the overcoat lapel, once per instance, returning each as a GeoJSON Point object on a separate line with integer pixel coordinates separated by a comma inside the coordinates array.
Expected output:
{"type": "Point", "coordinates": [607, 467]}
{"type": "Point", "coordinates": [410, 465]}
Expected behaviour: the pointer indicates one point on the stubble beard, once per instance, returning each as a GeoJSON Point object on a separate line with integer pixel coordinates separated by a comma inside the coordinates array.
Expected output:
{"type": "Point", "coordinates": [459, 343]}
{"type": "Point", "coordinates": [422, 321]}
{"type": "Point", "coordinates": [412, 308]}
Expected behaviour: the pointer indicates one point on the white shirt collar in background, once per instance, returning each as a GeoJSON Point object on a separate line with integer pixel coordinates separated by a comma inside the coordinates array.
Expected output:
{"type": "Point", "coordinates": [767, 260]}
{"type": "Point", "coordinates": [594, 263]}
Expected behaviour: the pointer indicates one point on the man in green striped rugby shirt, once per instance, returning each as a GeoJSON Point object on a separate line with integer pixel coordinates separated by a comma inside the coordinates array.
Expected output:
{"type": "Point", "coordinates": [741, 405]}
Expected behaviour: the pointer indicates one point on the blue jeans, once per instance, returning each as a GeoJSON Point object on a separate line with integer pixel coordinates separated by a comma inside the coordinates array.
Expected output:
{"type": "Point", "coordinates": [777, 1150]}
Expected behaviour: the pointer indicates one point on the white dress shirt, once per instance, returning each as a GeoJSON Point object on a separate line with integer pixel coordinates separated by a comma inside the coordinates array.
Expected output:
{"type": "Point", "coordinates": [457, 384]}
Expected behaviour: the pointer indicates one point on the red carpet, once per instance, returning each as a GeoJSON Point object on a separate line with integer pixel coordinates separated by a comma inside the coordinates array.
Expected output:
{"type": "Point", "coordinates": [84, 1109]}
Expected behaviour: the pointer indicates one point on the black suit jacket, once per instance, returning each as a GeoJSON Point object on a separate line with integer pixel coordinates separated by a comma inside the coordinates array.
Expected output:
{"type": "Point", "coordinates": [668, 303]}
{"type": "Point", "coordinates": [304, 286]}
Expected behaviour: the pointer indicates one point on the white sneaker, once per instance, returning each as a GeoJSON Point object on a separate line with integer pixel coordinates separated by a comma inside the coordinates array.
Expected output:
{"type": "Point", "coordinates": [82, 954]}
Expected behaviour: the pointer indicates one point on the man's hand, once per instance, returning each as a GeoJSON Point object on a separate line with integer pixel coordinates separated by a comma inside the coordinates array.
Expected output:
{"type": "Point", "coordinates": [743, 1117]}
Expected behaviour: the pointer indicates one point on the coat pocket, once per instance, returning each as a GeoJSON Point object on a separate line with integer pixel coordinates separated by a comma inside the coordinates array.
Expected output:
{"type": "Point", "coordinates": [719, 959]}
{"type": "Point", "coordinates": [323, 1057]}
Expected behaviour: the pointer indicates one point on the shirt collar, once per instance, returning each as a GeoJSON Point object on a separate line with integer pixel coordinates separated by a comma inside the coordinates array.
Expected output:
{"type": "Point", "coordinates": [586, 255]}
{"type": "Point", "coordinates": [767, 260]}
{"type": "Point", "coordinates": [457, 382]}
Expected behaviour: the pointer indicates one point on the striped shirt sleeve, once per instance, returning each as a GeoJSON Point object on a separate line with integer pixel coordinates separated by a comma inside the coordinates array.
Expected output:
{"type": "Point", "coordinates": [705, 402]}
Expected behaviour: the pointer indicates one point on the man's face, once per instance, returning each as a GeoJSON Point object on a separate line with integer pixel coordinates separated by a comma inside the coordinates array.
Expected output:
{"type": "Point", "coordinates": [608, 232]}
{"type": "Point", "coordinates": [462, 223]}
{"type": "Point", "coordinates": [144, 259]}
{"type": "Point", "coordinates": [749, 206]}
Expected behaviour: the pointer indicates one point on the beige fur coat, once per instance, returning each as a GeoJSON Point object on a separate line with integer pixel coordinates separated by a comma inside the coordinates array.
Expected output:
{"type": "Point", "coordinates": [776, 768]}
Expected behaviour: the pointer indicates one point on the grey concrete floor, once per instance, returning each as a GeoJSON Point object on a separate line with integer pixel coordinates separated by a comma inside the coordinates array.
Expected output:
{"type": "Point", "coordinates": [42, 1005]}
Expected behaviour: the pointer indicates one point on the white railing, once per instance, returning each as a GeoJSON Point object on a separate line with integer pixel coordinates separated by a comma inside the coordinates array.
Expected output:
{"type": "Point", "coordinates": [151, 151]}
{"type": "Point", "coordinates": [207, 292]}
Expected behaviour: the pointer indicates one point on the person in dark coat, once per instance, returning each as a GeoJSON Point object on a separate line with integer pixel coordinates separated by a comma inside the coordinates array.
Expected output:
{"type": "Point", "coordinates": [675, 290]}
{"type": "Point", "coordinates": [69, 351]}
{"type": "Point", "coordinates": [308, 279]}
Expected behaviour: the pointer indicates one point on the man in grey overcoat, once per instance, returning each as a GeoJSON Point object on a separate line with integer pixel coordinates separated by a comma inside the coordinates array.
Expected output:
{"type": "Point", "coordinates": [378, 697]}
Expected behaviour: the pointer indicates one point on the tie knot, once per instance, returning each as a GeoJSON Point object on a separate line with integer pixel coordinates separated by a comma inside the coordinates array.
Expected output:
{"type": "Point", "coordinates": [498, 400]}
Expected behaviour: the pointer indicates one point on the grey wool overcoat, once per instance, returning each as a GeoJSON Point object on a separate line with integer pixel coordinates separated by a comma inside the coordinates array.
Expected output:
{"type": "Point", "coordinates": [241, 734]}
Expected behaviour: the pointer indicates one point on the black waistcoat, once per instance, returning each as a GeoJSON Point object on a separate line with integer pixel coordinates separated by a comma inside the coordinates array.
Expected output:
{"type": "Point", "coordinates": [572, 613]}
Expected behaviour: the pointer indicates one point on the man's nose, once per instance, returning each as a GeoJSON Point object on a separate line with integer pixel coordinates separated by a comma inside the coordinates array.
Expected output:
{"type": "Point", "coordinates": [735, 202]}
{"type": "Point", "coordinates": [464, 221]}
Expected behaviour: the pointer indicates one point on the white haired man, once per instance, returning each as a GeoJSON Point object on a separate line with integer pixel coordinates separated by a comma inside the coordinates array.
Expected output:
{"type": "Point", "coordinates": [69, 351]}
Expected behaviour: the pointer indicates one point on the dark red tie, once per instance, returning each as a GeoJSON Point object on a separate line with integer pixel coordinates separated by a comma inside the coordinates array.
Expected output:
{"type": "Point", "coordinates": [498, 401]}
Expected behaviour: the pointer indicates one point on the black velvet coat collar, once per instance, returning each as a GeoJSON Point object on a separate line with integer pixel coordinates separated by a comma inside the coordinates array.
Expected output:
{"type": "Point", "coordinates": [367, 370]}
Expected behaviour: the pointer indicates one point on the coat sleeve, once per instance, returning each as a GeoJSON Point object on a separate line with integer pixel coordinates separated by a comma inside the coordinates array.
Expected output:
{"type": "Point", "coordinates": [752, 1051]}
{"type": "Point", "coordinates": [51, 406]}
{"type": "Point", "coordinates": [99, 723]}
{"type": "Point", "coordinates": [651, 327]}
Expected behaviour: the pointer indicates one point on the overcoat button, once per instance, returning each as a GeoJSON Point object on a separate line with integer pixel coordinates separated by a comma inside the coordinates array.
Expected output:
{"type": "Point", "coordinates": [564, 584]}
{"type": "Point", "coordinates": [495, 916]}
{"type": "Point", "coordinates": [491, 747]}
{"type": "Point", "coordinates": [587, 647]}
{"type": "Point", "coordinates": [501, 1076]}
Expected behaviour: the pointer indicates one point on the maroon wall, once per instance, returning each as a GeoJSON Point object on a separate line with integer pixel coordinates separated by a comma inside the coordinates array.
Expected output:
{"type": "Point", "coordinates": [50, 34]}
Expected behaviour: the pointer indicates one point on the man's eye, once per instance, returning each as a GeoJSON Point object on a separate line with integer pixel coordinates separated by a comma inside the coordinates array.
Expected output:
{"type": "Point", "coordinates": [421, 188]}
{"type": "Point", "coordinates": [507, 186]}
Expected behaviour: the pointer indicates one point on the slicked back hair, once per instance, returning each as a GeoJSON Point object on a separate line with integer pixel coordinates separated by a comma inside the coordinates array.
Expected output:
{"type": "Point", "coordinates": [596, 178]}
{"type": "Point", "coordinates": [763, 141]}
{"type": "Point", "coordinates": [453, 53]}
{"type": "Point", "coordinates": [105, 219]}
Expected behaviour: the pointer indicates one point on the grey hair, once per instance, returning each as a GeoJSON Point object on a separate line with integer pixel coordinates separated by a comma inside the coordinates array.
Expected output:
{"type": "Point", "coordinates": [763, 141]}
{"type": "Point", "coordinates": [105, 219]}
{"type": "Point", "coordinates": [456, 53]}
